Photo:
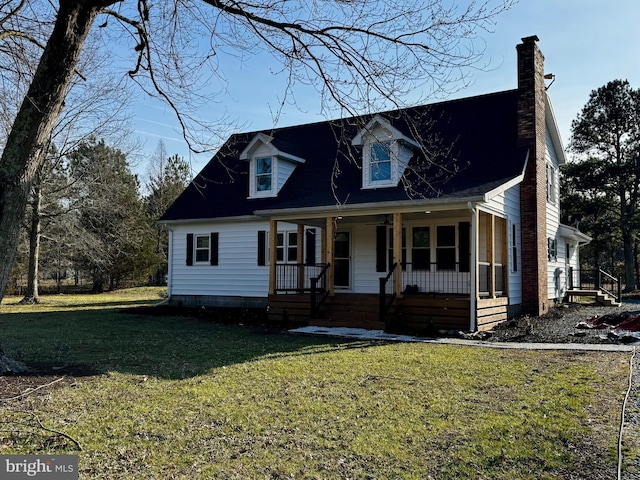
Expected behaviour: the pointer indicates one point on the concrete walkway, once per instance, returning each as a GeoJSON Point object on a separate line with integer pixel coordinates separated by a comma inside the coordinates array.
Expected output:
{"type": "Point", "coordinates": [362, 334]}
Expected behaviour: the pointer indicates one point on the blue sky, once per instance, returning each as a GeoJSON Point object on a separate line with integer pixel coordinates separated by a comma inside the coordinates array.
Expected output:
{"type": "Point", "coordinates": [586, 43]}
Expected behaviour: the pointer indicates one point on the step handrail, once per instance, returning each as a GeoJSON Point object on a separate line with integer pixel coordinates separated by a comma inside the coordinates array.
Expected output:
{"type": "Point", "coordinates": [385, 305]}
{"type": "Point", "coordinates": [315, 301]}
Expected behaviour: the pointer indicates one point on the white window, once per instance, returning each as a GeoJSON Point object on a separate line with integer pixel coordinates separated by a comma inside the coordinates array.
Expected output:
{"type": "Point", "coordinates": [552, 249]}
{"type": "Point", "coordinates": [263, 176]}
{"type": "Point", "coordinates": [202, 248]}
{"type": "Point", "coordinates": [287, 248]}
{"type": "Point", "coordinates": [514, 248]}
{"type": "Point", "coordinates": [380, 163]}
{"type": "Point", "coordinates": [386, 152]}
{"type": "Point", "coordinates": [551, 184]}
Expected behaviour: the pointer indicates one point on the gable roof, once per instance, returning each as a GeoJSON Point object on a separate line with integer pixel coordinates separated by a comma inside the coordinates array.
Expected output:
{"type": "Point", "coordinates": [475, 138]}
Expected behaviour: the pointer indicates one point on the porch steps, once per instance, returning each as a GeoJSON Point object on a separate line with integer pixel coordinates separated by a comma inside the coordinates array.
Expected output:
{"type": "Point", "coordinates": [289, 309]}
{"type": "Point", "coordinates": [601, 297]}
{"type": "Point", "coordinates": [347, 310]}
{"type": "Point", "coordinates": [425, 315]}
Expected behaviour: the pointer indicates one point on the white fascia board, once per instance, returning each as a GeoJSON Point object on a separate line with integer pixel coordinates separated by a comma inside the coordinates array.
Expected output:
{"type": "Point", "coordinates": [260, 137]}
{"type": "Point", "coordinates": [266, 140]}
{"type": "Point", "coordinates": [194, 221]}
{"type": "Point", "coordinates": [554, 131]}
{"type": "Point", "coordinates": [404, 206]}
{"type": "Point", "coordinates": [507, 185]}
{"type": "Point", "coordinates": [574, 234]}
{"type": "Point", "coordinates": [384, 123]}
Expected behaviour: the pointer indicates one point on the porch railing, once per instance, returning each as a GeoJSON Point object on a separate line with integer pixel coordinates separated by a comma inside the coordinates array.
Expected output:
{"type": "Point", "coordinates": [433, 278]}
{"type": "Point", "coordinates": [319, 291]}
{"type": "Point", "coordinates": [387, 293]}
{"type": "Point", "coordinates": [595, 279]}
{"type": "Point", "coordinates": [296, 277]}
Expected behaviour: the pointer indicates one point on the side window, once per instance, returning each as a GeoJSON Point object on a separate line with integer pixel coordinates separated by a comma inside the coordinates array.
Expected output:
{"type": "Point", "coordinates": [551, 184]}
{"type": "Point", "coordinates": [552, 249]}
{"type": "Point", "coordinates": [202, 248]}
{"type": "Point", "coordinates": [287, 247]}
{"type": "Point", "coordinates": [514, 248]}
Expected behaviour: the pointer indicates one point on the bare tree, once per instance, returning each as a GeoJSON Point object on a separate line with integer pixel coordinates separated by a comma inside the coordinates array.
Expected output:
{"type": "Point", "coordinates": [354, 53]}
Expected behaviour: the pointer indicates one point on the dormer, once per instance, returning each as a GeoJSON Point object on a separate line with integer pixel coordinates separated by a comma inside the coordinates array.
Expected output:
{"type": "Point", "coordinates": [270, 165]}
{"type": "Point", "coordinates": [386, 151]}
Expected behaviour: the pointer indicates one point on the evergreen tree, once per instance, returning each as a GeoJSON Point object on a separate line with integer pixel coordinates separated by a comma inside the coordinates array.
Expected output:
{"type": "Point", "coordinates": [606, 172]}
{"type": "Point", "coordinates": [117, 240]}
{"type": "Point", "coordinates": [168, 177]}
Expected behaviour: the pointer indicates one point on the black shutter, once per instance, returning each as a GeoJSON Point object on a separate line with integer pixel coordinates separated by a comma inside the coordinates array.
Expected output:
{"type": "Point", "coordinates": [262, 247]}
{"type": "Point", "coordinates": [310, 246]}
{"type": "Point", "coordinates": [214, 248]}
{"type": "Point", "coordinates": [189, 249]}
{"type": "Point", "coordinates": [464, 246]}
{"type": "Point", "coordinates": [381, 248]}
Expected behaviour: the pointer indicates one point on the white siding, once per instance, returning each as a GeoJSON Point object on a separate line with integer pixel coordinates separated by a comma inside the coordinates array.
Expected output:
{"type": "Point", "coordinates": [237, 272]}
{"type": "Point", "coordinates": [508, 204]}
{"type": "Point", "coordinates": [512, 210]}
{"type": "Point", "coordinates": [556, 271]}
{"type": "Point", "coordinates": [284, 171]}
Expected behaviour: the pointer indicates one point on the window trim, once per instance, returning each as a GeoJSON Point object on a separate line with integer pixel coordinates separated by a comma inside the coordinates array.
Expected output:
{"type": "Point", "coordinates": [514, 248]}
{"type": "Point", "coordinates": [212, 249]}
{"type": "Point", "coordinates": [368, 163]}
{"type": "Point", "coordinates": [289, 251]}
{"type": "Point", "coordinates": [253, 181]}
{"type": "Point", "coordinates": [552, 184]}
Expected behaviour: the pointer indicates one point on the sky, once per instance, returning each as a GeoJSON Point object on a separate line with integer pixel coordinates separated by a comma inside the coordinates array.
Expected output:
{"type": "Point", "coordinates": [586, 44]}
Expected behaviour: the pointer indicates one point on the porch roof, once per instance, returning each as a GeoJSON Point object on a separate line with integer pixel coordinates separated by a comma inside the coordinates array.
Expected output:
{"type": "Point", "coordinates": [478, 134]}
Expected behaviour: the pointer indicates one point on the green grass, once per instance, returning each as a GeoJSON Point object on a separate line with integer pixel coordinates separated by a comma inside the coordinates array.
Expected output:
{"type": "Point", "coordinates": [184, 398]}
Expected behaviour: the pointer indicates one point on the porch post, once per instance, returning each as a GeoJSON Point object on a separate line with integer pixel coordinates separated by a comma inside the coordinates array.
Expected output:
{"type": "Point", "coordinates": [473, 290]}
{"type": "Point", "coordinates": [397, 252]}
{"type": "Point", "coordinates": [273, 243]}
{"type": "Point", "coordinates": [329, 254]}
{"type": "Point", "coordinates": [505, 256]}
{"type": "Point", "coordinates": [300, 257]}
{"type": "Point", "coordinates": [491, 253]}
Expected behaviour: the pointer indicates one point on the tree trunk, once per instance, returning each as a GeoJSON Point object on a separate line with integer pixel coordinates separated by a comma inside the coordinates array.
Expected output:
{"type": "Point", "coordinates": [31, 129]}
{"type": "Point", "coordinates": [629, 274]}
{"type": "Point", "coordinates": [31, 295]}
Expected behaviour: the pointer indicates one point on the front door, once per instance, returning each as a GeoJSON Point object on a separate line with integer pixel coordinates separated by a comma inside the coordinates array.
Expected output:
{"type": "Point", "coordinates": [342, 260]}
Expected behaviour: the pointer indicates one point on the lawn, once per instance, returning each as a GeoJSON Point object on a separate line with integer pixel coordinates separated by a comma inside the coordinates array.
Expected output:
{"type": "Point", "coordinates": [177, 397]}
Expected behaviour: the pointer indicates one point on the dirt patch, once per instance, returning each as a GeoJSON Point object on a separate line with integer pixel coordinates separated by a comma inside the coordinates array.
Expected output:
{"type": "Point", "coordinates": [560, 325]}
{"type": "Point", "coordinates": [41, 378]}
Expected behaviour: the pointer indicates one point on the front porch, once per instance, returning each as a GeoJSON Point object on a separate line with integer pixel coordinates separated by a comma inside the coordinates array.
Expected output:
{"type": "Point", "coordinates": [447, 273]}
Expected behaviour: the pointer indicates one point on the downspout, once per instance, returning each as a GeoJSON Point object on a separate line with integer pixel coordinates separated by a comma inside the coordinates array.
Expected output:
{"type": "Point", "coordinates": [474, 267]}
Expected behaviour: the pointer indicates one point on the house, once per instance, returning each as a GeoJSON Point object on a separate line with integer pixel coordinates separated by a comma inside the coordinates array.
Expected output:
{"type": "Point", "coordinates": [439, 216]}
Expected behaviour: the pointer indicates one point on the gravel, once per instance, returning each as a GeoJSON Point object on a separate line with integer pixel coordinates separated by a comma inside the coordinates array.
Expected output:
{"type": "Point", "coordinates": [559, 326]}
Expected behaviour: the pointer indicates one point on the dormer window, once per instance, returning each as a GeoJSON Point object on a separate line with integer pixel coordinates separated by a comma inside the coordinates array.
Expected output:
{"type": "Point", "coordinates": [270, 165]}
{"type": "Point", "coordinates": [386, 151]}
{"type": "Point", "coordinates": [380, 166]}
{"type": "Point", "coordinates": [264, 170]}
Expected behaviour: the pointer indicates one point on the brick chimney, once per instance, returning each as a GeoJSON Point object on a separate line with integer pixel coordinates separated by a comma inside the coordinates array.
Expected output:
{"type": "Point", "coordinates": [533, 197]}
